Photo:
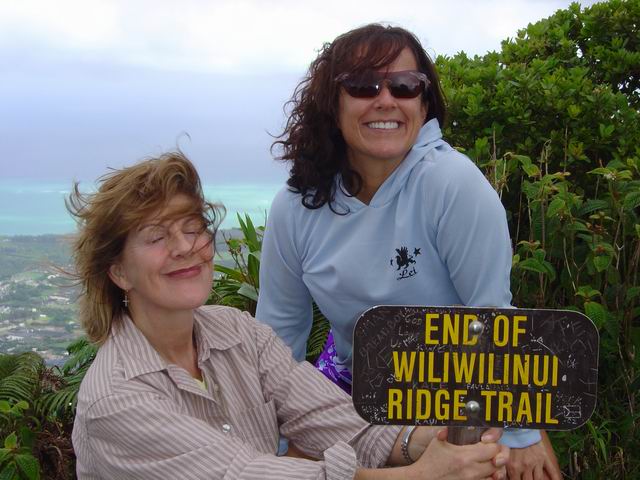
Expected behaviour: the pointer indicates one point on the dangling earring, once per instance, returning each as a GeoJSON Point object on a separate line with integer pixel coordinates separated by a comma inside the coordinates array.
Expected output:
{"type": "Point", "coordinates": [125, 300]}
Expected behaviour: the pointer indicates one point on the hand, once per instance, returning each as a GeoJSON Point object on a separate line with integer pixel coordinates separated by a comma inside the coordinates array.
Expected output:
{"type": "Point", "coordinates": [537, 462]}
{"type": "Point", "coordinates": [422, 437]}
{"type": "Point", "coordinates": [444, 461]}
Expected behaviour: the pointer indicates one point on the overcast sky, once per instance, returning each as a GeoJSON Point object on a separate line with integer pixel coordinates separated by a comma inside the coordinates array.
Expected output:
{"type": "Point", "coordinates": [87, 84]}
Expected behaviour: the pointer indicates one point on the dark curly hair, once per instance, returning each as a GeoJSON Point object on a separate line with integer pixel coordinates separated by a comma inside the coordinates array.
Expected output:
{"type": "Point", "coordinates": [311, 140]}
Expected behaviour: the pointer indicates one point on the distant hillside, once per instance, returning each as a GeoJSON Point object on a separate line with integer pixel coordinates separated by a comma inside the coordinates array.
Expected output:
{"type": "Point", "coordinates": [24, 253]}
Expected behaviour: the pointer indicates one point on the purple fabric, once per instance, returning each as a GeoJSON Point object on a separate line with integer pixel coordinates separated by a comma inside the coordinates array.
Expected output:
{"type": "Point", "coordinates": [326, 363]}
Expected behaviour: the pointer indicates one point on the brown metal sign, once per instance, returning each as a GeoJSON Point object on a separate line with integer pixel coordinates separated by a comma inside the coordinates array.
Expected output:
{"type": "Point", "coordinates": [475, 366]}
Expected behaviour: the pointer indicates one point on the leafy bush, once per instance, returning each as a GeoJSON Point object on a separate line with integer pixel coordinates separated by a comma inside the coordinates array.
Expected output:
{"type": "Point", "coordinates": [237, 286]}
{"type": "Point", "coordinates": [18, 435]}
{"type": "Point", "coordinates": [553, 120]}
{"type": "Point", "coordinates": [37, 407]}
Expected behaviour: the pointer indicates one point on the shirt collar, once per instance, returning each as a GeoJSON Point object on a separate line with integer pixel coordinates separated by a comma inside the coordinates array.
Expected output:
{"type": "Point", "coordinates": [212, 333]}
{"type": "Point", "coordinates": [139, 357]}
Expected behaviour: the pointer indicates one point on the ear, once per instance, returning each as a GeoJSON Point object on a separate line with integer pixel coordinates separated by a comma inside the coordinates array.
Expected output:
{"type": "Point", "coordinates": [118, 276]}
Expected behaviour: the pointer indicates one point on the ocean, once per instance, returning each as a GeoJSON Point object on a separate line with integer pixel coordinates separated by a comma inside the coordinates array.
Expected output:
{"type": "Point", "coordinates": [31, 207]}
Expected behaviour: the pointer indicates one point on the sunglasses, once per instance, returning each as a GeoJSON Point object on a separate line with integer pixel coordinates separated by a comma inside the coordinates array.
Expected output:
{"type": "Point", "coordinates": [368, 84]}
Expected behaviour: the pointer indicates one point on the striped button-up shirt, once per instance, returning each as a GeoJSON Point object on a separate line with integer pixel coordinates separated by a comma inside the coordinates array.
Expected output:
{"type": "Point", "coordinates": [140, 417]}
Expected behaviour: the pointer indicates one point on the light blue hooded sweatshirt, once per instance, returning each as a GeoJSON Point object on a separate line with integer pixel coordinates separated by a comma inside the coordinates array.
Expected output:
{"type": "Point", "coordinates": [435, 233]}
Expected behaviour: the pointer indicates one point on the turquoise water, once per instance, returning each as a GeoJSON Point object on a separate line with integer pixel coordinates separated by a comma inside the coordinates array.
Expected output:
{"type": "Point", "coordinates": [30, 207]}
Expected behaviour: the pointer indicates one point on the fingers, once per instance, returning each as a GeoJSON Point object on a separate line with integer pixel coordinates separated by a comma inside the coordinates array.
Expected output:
{"type": "Point", "coordinates": [551, 467]}
{"type": "Point", "coordinates": [538, 473]}
{"type": "Point", "coordinates": [502, 458]}
{"type": "Point", "coordinates": [551, 471]}
{"type": "Point", "coordinates": [500, 461]}
{"type": "Point", "coordinates": [486, 469]}
{"type": "Point", "coordinates": [442, 434]}
{"type": "Point", "coordinates": [492, 435]}
{"type": "Point", "coordinates": [500, 474]}
{"type": "Point", "coordinates": [513, 472]}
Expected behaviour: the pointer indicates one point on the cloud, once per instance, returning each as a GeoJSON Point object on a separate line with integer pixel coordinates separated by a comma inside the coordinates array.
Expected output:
{"type": "Point", "coordinates": [244, 35]}
{"type": "Point", "coordinates": [94, 83]}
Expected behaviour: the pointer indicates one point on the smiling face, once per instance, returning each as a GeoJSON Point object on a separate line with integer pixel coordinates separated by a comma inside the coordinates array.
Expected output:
{"type": "Point", "coordinates": [166, 264]}
{"type": "Point", "coordinates": [383, 128]}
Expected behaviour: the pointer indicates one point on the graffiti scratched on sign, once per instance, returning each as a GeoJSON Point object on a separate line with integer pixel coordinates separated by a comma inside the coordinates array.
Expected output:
{"type": "Point", "coordinates": [475, 366]}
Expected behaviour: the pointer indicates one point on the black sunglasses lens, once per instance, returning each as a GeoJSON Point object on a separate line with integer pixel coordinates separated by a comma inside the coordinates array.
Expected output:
{"type": "Point", "coordinates": [368, 85]}
{"type": "Point", "coordinates": [362, 90]}
{"type": "Point", "coordinates": [406, 87]}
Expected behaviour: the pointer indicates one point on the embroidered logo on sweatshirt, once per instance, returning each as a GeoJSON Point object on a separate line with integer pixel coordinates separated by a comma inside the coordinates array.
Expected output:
{"type": "Point", "coordinates": [405, 262]}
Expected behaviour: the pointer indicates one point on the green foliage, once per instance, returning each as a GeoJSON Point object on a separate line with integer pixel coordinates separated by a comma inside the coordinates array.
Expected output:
{"type": "Point", "coordinates": [19, 376]}
{"type": "Point", "coordinates": [17, 436]}
{"type": "Point", "coordinates": [238, 286]}
{"type": "Point", "coordinates": [553, 120]}
{"type": "Point", "coordinates": [37, 407]}
{"type": "Point", "coordinates": [60, 388]}
{"type": "Point", "coordinates": [318, 336]}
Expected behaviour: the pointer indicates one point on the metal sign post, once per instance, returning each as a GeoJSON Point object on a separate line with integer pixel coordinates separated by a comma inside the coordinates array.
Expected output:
{"type": "Point", "coordinates": [474, 368]}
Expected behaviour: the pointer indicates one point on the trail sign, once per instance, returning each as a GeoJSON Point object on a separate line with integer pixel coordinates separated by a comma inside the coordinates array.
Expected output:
{"type": "Point", "coordinates": [475, 367]}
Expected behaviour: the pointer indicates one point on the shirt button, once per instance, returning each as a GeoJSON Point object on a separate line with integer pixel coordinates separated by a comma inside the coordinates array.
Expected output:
{"type": "Point", "coordinates": [226, 428]}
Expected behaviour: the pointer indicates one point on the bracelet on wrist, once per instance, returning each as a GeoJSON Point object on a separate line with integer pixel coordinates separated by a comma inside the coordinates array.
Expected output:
{"type": "Point", "coordinates": [404, 444]}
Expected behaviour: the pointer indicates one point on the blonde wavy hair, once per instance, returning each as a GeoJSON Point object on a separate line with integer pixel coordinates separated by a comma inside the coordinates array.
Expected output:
{"type": "Point", "coordinates": [124, 198]}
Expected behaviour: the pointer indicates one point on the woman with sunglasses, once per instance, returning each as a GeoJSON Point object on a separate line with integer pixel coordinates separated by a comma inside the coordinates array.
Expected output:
{"type": "Point", "coordinates": [183, 391]}
{"type": "Point", "coordinates": [379, 209]}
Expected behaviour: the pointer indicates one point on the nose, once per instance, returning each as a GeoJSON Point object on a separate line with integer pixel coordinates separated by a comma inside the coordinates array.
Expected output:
{"type": "Point", "coordinates": [385, 99]}
{"type": "Point", "coordinates": [180, 244]}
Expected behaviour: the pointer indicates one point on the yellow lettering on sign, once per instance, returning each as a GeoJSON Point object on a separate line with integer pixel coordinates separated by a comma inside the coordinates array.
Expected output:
{"type": "Point", "coordinates": [517, 329]}
{"type": "Point", "coordinates": [403, 368]}
{"type": "Point", "coordinates": [505, 369]}
{"type": "Point", "coordinates": [554, 373]}
{"type": "Point", "coordinates": [442, 405]}
{"type": "Point", "coordinates": [540, 374]}
{"type": "Point", "coordinates": [423, 404]}
{"type": "Point", "coordinates": [520, 369]}
{"type": "Point", "coordinates": [548, 418]}
{"type": "Point", "coordinates": [524, 408]}
{"type": "Point", "coordinates": [467, 338]}
{"type": "Point", "coordinates": [490, 371]}
{"type": "Point", "coordinates": [488, 395]}
{"type": "Point", "coordinates": [450, 330]}
{"type": "Point", "coordinates": [501, 331]}
{"type": "Point", "coordinates": [431, 376]}
{"type": "Point", "coordinates": [445, 367]}
{"type": "Point", "coordinates": [394, 409]}
{"type": "Point", "coordinates": [463, 364]}
{"type": "Point", "coordinates": [505, 406]}
{"type": "Point", "coordinates": [429, 329]}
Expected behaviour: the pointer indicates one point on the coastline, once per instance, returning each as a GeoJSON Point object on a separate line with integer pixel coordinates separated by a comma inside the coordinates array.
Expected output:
{"type": "Point", "coordinates": [35, 208]}
{"type": "Point", "coordinates": [38, 309]}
